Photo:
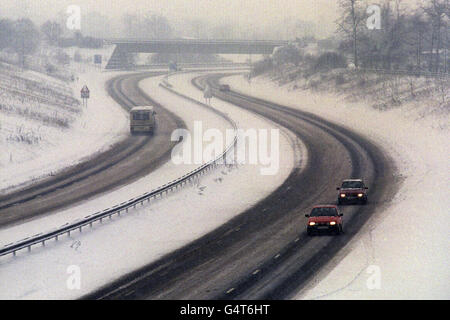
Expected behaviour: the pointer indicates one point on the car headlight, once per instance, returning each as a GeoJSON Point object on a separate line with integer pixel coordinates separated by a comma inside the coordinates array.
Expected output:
{"type": "Point", "coordinates": [332, 223]}
{"type": "Point", "coordinates": [342, 195]}
{"type": "Point", "coordinates": [360, 195]}
{"type": "Point", "coordinates": [312, 223]}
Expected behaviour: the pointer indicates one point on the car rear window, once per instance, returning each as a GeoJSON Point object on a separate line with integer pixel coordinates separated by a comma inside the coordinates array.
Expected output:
{"type": "Point", "coordinates": [324, 212]}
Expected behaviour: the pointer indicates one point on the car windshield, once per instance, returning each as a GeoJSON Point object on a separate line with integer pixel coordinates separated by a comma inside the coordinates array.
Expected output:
{"type": "Point", "coordinates": [324, 212]}
{"type": "Point", "coordinates": [352, 184]}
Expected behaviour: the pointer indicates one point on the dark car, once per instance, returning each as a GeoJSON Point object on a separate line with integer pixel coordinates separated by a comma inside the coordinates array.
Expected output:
{"type": "Point", "coordinates": [352, 191]}
{"type": "Point", "coordinates": [324, 218]}
{"type": "Point", "coordinates": [224, 87]}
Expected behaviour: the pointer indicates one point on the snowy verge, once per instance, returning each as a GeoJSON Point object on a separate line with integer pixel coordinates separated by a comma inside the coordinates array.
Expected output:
{"type": "Point", "coordinates": [147, 233]}
{"type": "Point", "coordinates": [407, 242]}
{"type": "Point", "coordinates": [86, 137]}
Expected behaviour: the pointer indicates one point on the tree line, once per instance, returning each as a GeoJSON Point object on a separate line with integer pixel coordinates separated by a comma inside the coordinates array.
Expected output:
{"type": "Point", "coordinates": [23, 37]}
{"type": "Point", "coordinates": [408, 37]}
{"type": "Point", "coordinates": [20, 36]}
{"type": "Point", "coordinates": [413, 37]}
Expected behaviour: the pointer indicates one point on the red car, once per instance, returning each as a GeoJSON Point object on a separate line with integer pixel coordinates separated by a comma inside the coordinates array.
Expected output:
{"type": "Point", "coordinates": [352, 190]}
{"type": "Point", "coordinates": [326, 218]}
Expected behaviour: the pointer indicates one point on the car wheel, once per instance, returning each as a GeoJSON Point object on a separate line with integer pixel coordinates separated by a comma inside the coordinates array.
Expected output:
{"type": "Point", "coordinates": [309, 232]}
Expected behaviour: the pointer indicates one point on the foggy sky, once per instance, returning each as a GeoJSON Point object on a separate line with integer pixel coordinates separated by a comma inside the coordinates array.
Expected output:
{"type": "Point", "coordinates": [247, 17]}
{"type": "Point", "coordinates": [259, 15]}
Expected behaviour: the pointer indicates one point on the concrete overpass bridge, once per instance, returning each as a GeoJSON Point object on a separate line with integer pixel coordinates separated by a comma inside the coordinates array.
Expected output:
{"type": "Point", "coordinates": [119, 58]}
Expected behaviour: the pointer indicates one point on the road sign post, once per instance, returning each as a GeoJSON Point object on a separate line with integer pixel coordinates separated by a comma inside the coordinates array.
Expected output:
{"type": "Point", "coordinates": [172, 67]}
{"type": "Point", "coordinates": [98, 60]}
{"type": "Point", "coordinates": [207, 94]}
{"type": "Point", "coordinates": [85, 94]}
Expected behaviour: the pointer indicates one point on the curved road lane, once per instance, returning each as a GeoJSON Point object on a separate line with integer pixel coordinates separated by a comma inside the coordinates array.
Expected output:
{"type": "Point", "coordinates": [264, 253]}
{"type": "Point", "coordinates": [125, 162]}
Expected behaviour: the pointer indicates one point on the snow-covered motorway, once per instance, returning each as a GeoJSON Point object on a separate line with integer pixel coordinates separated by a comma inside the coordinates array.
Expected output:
{"type": "Point", "coordinates": [249, 241]}
{"type": "Point", "coordinates": [264, 252]}
{"type": "Point", "coordinates": [147, 233]}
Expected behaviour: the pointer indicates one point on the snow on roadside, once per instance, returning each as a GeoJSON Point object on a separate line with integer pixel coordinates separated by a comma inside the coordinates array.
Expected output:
{"type": "Point", "coordinates": [408, 242]}
{"type": "Point", "coordinates": [85, 137]}
{"type": "Point", "coordinates": [147, 233]}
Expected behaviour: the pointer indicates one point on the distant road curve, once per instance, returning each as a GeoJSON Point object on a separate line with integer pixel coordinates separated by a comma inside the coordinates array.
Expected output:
{"type": "Point", "coordinates": [125, 162]}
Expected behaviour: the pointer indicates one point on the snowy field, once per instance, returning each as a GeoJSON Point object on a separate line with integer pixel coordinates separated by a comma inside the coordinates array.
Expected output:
{"type": "Point", "coordinates": [54, 147]}
{"type": "Point", "coordinates": [147, 233]}
{"type": "Point", "coordinates": [407, 243]}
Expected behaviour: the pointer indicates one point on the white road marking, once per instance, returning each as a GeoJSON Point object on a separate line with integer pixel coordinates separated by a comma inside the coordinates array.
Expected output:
{"type": "Point", "coordinates": [230, 290]}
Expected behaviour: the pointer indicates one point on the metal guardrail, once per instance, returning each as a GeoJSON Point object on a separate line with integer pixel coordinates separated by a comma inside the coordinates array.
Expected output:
{"type": "Point", "coordinates": [123, 207]}
{"type": "Point", "coordinates": [185, 65]}
{"type": "Point", "coordinates": [195, 41]}
{"type": "Point", "coordinates": [199, 64]}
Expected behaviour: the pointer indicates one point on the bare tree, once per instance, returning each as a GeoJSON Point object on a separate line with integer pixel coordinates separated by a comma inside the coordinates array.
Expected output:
{"type": "Point", "coordinates": [349, 23]}
{"type": "Point", "coordinates": [418, 27]}
{"type": "Point", "coordinates": [436, 10]}
{"type": "Point", "coordinates": [52, 31]}
{"type": "Point", "coordinates": [394, 33]}
{"type": "Point", "coordinates": [6, 33]}
{"type": "Point", "coordinates": [26, 38]}
{"type": "Point", "coordinates": [223, 31]}
{"type": "Point", "coordinates": [197, 27]}
{"type": "Point", "coordinates": [147, 26]}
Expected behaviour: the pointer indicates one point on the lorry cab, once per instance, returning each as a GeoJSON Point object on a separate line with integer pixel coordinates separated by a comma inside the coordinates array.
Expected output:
{"type": "Point", "coordinates": [142, 119]}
